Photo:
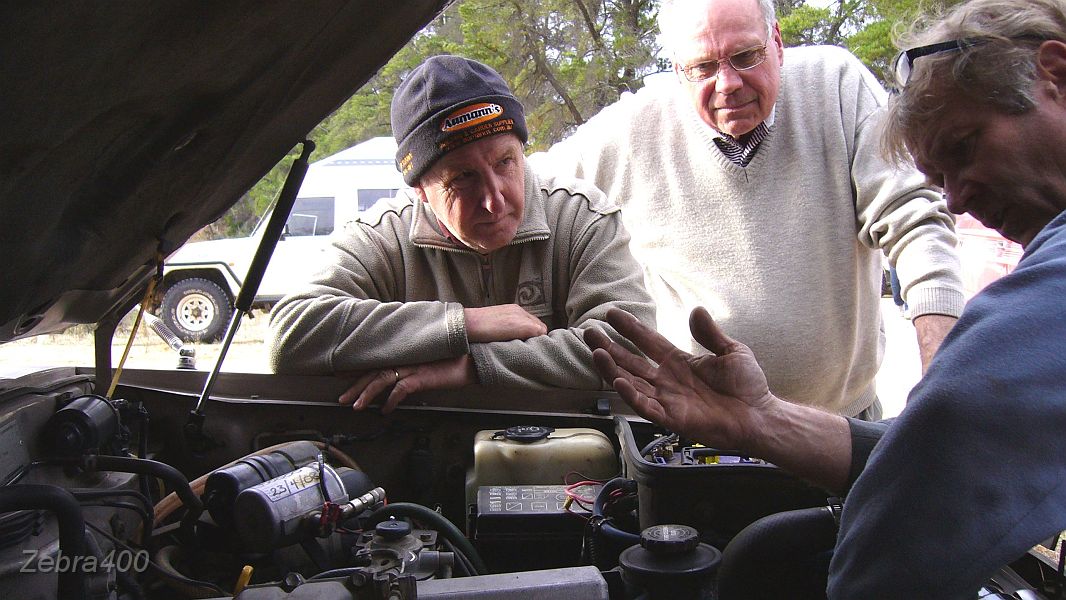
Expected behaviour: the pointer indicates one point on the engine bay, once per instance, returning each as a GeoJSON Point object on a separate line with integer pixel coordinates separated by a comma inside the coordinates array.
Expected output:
{"type": "Point", "coordinates": [288, 495]}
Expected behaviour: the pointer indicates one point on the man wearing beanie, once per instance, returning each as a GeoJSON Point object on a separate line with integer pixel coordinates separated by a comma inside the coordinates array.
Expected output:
{"type": "Point", "coordinates": [484, 271]}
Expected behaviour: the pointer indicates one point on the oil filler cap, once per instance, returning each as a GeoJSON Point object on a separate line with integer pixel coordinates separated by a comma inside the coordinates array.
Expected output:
{"type": "Point", "coordinates": [524, 433]}
{"type": "Point", "coordinates": [663, 540]}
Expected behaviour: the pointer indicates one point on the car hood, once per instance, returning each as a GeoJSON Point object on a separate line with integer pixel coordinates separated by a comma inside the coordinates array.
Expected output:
{"type": "Point", "coordinates": [129, 125]}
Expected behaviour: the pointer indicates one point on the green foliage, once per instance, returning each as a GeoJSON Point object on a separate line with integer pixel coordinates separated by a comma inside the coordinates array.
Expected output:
{"type": "Point", "coordinates": [806, 25]}
{"type": "Point", "coordinates": [564, 59]}
{"type": "Point", "coordinates": [873, 46]}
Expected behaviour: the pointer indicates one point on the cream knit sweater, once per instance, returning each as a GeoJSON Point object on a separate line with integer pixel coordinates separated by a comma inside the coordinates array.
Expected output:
{"type": "Point", "coordinates": [785, 253]}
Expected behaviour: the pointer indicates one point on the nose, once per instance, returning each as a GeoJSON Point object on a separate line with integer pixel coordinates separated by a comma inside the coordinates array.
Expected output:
{"type": "Point", "coordinates": [728, 79]}
{"type": "Point", "coordinates": [953, 194]}
{"type": "Point", "coordinates": [492, 199]}
{"type": "Point", "coordinates": [935, 177]}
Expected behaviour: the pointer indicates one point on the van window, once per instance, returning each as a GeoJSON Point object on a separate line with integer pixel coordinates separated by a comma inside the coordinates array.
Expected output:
{"type": "Point", "coordinates": [311, 216]}
{"type": "Point", "coordinates": [367, 198]}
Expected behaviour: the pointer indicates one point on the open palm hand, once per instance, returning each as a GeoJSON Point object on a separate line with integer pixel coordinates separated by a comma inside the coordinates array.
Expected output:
{"type": "Point", "coordinates": [712, 398]}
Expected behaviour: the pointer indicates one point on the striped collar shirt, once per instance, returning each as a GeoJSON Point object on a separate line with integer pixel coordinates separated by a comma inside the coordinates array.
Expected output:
{"type": "Point", "coordinates": [741, 150]}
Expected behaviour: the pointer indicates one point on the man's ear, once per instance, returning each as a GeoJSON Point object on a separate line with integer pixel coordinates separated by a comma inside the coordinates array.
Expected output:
{"type": "Point", "coordinates": [776, 35]}
{"type": "Point", "coordinates": [421, 192]}
{"type": "Point", "coordinates": [677, 69]}
{"type": "Point", "coordinates": [1051, 65]}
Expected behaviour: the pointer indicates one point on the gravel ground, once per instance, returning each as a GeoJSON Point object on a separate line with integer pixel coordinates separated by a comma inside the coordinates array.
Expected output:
{"type": "Point", "coordinates": [149, 351]}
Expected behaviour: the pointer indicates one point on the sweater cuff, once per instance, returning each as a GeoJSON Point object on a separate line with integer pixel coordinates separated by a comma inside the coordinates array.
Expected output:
{"type": "Point", "coordinates": [455, 323]}
{"type": "Point", "coordinates": [864, 436]}
{"type": "Point", "coordinates": [936, 301]}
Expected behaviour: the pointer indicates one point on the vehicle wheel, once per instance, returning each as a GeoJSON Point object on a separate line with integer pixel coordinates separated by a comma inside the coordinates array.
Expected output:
{"type": "Point", "coordinates": [196, 309]}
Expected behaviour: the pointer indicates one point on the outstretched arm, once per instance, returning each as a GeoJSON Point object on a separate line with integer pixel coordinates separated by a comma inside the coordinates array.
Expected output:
{"type": "Point", "coordinates": [721, 398]}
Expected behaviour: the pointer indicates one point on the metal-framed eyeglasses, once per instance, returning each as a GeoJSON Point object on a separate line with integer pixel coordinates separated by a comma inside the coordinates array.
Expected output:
{"type": "Point", "coordinates": [740, 61]}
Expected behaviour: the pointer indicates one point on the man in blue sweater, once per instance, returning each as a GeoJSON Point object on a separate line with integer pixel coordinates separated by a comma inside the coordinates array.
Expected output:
{"type": "Point", "coordinates": [973, 473]}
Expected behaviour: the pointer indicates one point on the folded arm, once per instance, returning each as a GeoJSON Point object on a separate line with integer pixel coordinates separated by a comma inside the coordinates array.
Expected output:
{"type": "Point", "coordinates": [602, 274]}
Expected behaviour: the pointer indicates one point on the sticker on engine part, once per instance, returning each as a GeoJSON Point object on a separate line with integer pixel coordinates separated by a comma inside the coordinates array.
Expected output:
{"type": "Point", "coordinates": [291, 484]}
{"type": "Point", "coordinates": [13, 452]}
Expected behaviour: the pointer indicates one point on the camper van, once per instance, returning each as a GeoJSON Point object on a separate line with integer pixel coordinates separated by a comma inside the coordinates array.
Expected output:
{"type": "Point", "coordinates": [201, 279]}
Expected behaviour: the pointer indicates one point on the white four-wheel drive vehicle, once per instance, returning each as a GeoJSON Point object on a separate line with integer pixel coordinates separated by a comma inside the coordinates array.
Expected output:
{"type": "Point", "coordinates": [201, 279]}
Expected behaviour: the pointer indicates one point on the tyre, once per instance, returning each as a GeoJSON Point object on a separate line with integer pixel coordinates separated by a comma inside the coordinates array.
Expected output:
{"type": "Point", "coordinates": [196, 309]}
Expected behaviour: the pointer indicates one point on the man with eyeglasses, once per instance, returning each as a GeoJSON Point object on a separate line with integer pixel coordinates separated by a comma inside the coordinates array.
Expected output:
{"type": "Point", "coordinates": [973, 472]}
{"type": "Point", "coordinates": [753, 186]}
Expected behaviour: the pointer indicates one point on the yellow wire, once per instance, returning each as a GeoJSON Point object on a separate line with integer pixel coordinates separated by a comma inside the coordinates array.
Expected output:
{"type": "Point", "coordinates": [242, 580]}
{"type": "Point", "coordinates": [133, 334]}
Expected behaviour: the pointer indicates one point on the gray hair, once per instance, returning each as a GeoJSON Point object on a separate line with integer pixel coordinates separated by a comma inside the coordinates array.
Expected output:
{"type": "Point", "coordinates": [998, 71]}
{"type": "Point", "coordinates": [672, 18]}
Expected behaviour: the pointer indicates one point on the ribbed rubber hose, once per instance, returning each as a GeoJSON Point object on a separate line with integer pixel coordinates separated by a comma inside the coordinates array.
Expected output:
{"type": "Point", "coordinates": [68, 513]}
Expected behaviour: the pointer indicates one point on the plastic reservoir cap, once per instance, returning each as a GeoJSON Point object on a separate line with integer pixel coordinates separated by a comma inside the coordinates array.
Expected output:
{"type": "Point", "coordinates": [669, 539]}
{"type": "Point", "coordinates": [670, 558]}
{"type": "Point", "coordinates": [525, 433]}
{"type": "Point", "coordinates": [393, 529]}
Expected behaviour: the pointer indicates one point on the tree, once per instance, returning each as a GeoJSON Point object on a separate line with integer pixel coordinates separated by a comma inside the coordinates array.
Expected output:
{"type": "Point", "coordinates": [865, 27]}
{"type": "Point", "coordinates": [564, 59]}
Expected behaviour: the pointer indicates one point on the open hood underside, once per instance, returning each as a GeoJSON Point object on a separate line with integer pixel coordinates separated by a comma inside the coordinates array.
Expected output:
{"type": "Point", "coordinates": [129, 125]}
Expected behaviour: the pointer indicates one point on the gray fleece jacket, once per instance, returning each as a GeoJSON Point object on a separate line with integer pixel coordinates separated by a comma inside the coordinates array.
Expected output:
{"type": "Point", "coordinates": [396, 287]}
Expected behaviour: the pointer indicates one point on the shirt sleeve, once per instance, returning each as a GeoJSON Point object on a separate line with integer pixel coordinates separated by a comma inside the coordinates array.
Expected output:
{"type": "Point", "coordinates": [864, 436]}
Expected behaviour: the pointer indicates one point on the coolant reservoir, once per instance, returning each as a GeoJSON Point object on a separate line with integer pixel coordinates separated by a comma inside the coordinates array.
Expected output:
{"type": "Point", "coordinates": [533, 455]}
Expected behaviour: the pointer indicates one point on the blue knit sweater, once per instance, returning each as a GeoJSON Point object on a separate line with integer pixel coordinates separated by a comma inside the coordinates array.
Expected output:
{"type": "Point", "coordinates": [973, 472]}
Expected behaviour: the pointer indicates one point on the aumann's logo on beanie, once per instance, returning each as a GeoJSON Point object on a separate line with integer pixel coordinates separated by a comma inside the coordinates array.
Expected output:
{"type": "Point", "coordinates": [468, 116]}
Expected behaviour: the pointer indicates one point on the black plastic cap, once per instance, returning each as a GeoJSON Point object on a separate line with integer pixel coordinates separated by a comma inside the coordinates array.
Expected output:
{"type": "Point", "coordinates": [525, 433]}
{"type": "Point", "coordinates": [669, 539]}
{"type": "Point", "coordinates": [392, 529]}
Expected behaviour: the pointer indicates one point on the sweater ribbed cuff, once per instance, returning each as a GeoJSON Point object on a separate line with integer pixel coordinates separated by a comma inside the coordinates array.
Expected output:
{"type": "Point", "coordinates": [935, 300]}
{"type": "Point", "coordinates": [455, 322]}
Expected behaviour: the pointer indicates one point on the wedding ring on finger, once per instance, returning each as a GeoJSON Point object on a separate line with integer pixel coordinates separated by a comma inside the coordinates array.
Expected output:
{"type": "Point", "coordinates": [397, 374]}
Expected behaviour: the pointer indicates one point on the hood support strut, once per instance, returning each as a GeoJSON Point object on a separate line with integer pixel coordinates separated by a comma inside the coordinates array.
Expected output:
{"type": "Point", "coordinates": [198, 441]}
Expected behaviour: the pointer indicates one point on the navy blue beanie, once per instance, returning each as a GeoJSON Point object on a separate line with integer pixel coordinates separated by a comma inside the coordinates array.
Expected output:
{"type": "Point", "coordinates": [446, 102]}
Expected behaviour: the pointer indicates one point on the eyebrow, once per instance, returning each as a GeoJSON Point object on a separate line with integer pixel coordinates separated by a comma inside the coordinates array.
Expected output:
{"type": "Point", "coordinates": [725, 56]}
